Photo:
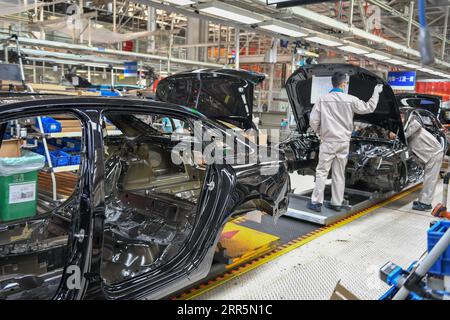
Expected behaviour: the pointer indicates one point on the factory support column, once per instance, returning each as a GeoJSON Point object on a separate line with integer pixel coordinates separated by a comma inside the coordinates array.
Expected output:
{"type": "Point", "coordinates": [237, 47]}
{"type": "Point", "coordinates": [272, 59]}
{"type": "Point", "coordinates": [196, 33]}
{"type": "Point", "coordinates": [151, 27]}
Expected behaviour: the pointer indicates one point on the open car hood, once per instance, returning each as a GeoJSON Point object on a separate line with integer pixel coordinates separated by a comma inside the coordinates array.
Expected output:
{"type": "Point", "coordinates": [220, 94]}
{"type": "Point", "coordinates": [361, 84]}
{"type": "Point", "coordinates": [422, 101]}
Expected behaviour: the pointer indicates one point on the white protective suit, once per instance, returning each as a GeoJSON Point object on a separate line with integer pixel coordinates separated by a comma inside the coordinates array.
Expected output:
{"type": "Point", "coordinates": [332, 119]}
{"type": "Point", "coordinates": [428, 149]}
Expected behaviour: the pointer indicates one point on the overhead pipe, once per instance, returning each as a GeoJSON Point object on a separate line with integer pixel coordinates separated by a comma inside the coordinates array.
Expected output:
{"type": "Point", "coordinates": [398, 14]}
{"type": "Point", "coordinates": [100, 50]}
{"type": "Point", "coordinates": [300, 12]}
{"type": "Point", "coordinates": [304, 13]}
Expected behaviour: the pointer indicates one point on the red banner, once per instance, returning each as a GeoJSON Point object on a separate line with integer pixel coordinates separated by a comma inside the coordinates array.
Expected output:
{"type": "Point", "coordinates": [436, 87]}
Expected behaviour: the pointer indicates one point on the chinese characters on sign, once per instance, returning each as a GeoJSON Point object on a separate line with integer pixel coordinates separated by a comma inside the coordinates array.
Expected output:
{"type": "Point", "coordinates": [402, 80]}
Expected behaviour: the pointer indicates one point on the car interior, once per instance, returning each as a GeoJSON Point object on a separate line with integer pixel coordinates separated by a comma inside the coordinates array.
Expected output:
{"type": "Point", "coordinates": [151, 201]}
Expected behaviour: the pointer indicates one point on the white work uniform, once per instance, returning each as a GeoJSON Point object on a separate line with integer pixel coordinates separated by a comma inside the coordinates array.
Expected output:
{"type": "Point", "coordinates": [428, 149]}
{"type": "Point", "coordinates": [332, 119]}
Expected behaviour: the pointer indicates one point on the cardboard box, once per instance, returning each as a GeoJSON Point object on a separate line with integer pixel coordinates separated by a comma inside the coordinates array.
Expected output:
{"type": "Point", "coordinates": [342, 293]}
{"type": "Point", "coordinates": [68, 124]}
{"type": "Point", "coordinates": [10, 148]}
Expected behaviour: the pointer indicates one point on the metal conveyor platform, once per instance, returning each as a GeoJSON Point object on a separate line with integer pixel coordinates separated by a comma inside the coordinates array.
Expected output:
{"type": "Point", "coordinates": [355, 200]}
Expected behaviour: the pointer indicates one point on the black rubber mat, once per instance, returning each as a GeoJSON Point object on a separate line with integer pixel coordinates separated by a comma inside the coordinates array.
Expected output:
{"type": "Point", "coordinates": [286, 228]}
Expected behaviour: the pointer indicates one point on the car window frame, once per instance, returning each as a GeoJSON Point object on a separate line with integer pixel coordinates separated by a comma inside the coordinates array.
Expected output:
{"type": "Point", "coordinates": [84, 194]}
{"type": "Point", "coordinates": [148, 279]}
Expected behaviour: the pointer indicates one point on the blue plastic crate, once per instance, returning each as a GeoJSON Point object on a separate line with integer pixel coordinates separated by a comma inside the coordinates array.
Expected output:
{"type": "Point", "coordinates": [71, 143]}
{"type": "Point", "coordinates": [109, 93]}
{"type": "Point", "coordinates": [49, 125]}
{"type": "Point", "coordinates": [442, 265]}
{"type": "Point", "coordinates": [59, 158]}
{"type": "Point", "coordinates": [57, 142]}
{"type": "Point", "coordinates": [40, 148]}
{"type": "Point", "coordinates": [75, 157]}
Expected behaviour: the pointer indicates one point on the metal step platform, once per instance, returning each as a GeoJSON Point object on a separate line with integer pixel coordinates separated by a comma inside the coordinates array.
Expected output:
{"type": "Point", "coordinates": [355, 200]}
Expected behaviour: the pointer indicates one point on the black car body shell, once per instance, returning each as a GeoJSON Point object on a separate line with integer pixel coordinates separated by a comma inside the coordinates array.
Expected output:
{"type": "Point", "coordinates": [235, 187]}
{"type": "Point", "coordinates": [361, 85]}
{"type": "Point", "coordinates": [428, 102]}
{"type": "Point", "coordinates": [220, 94]}
{"type": "Point", "coordinates": [375, 162]}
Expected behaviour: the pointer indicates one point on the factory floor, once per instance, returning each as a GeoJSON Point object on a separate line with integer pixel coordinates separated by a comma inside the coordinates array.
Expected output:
{"type": "Point", "coordinates": [351, 254]}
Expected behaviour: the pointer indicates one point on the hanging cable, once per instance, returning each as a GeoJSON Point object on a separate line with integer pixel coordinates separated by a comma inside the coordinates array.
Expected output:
{"type": "Point", "coordinates": [425, 41]}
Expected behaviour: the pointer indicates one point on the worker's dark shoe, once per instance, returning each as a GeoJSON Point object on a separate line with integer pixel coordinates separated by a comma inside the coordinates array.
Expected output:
{"type": "Point", "coordinates": [419, 206]}
{"type": "Point", "coordinates": [317, 207]}
{"type": "Point", "coordinates": [333, 207]}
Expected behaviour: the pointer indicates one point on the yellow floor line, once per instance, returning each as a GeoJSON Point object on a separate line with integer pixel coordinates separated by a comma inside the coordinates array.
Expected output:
{"type": "Point", "coordinates": [292, 245]}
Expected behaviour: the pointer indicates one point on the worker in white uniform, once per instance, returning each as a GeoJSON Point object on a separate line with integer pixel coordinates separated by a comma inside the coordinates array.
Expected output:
{"type": "Point", "coordinates": [428, 149]}
{"type": "Point", "coordinates": [332, 119]}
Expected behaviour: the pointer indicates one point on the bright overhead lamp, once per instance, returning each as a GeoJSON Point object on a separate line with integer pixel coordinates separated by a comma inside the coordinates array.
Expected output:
{"type": "Point", "coordinates": [283, 28]}
{"type": "Point", "coordinates": [180, 2]}
{"type": "Point", "coordinates": [439, 74]}
{"type": "Point", "coordinates": [396, 62]}
{"type": "Point", "coordinates": [225, 11]}
{"type": "Point", "coordinates": [412, 66]}
{"type": "Point", "coordinates": [426, 70]}
{"type": "Point", "coordinates": [324, 41]}
{"type": "Point", "coordinates": [377, 56]}
{"type": "Point", "coordinates": [353, 49]}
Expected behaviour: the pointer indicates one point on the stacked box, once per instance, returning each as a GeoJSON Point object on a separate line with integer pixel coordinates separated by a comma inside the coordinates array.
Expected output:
{"type": "Point", "coordinates": [49, 125]}
{"type": "Point", "coordinates": [442, 265]}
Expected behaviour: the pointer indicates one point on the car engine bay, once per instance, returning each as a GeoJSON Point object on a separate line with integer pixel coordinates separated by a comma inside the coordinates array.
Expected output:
{"type": "Point", "coordinates": [375, 162]}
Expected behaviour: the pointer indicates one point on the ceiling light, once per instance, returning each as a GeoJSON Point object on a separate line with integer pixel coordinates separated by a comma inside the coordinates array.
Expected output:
{"type": "Point", "coordinates": [377, 56]}
{"type": "Point", "coordinates": [425, 70]}
{"type": "Point", "coordinates": [353, 49]}
{"type": "Point", "coordinates": [439, 74]}
{"type": "Point", "coordinates": [324, 41]}
{"type": "Point", "coordinates": [412, 66]}
{"type": "Point", "coordinates": [397, 62]}
{"type": "Point", "coordinates": [180, 2]}
{"type": "Point", "coordinates": [226, 11]}
{"type": "Point", "coordinates": [283, 28]}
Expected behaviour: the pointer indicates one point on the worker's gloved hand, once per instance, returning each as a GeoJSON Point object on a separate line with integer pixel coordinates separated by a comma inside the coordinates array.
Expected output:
{"type": "Point", "coordinates": [392, 136]}
{"type": "Point", "coordinates": [378, 89]}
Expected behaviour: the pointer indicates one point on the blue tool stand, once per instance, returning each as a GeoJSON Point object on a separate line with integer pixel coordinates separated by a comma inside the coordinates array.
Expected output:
{"type": "Point", "coordinates": [435, 284]}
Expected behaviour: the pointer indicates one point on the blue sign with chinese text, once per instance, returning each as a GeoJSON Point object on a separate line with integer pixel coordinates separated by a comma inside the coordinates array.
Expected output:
{"type": "Point", "coordinates": [131, 69]}
{"type": "Point", "coordinates": [402, 80]}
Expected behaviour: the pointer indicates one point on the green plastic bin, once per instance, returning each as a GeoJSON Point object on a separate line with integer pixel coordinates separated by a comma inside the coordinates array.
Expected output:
{"type": "Point", "coordinates": [18, 185]}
